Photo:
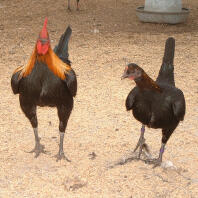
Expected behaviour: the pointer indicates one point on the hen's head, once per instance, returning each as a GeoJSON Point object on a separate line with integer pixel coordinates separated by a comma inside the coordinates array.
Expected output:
{"type": "Point", "coordinates": [43, 41]}
{"type": "Point", "coordinates": [133, 72]}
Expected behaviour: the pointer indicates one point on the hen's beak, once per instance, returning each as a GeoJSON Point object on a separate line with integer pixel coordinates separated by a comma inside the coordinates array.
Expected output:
{"type": "Point", "coordinates": [125, 75]}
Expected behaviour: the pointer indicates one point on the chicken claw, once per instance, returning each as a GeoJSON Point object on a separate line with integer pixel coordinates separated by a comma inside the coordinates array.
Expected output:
{"type": "Point", "coordinates": [38, 149]}
{"type": "Point", "coordinates": [61, 156]}
{"type": "Point", "coordinates": [156, 162]}
{"type": "Point", "coordinates": [141, 142]}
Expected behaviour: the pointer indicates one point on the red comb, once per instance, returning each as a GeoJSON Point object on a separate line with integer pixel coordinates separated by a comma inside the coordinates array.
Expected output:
{"type": "Point", "coordinates": [43, 33]}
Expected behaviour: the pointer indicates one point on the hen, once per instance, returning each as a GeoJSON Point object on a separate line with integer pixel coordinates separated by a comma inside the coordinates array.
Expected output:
{"type": "Point", "coordinates": [156, 104]}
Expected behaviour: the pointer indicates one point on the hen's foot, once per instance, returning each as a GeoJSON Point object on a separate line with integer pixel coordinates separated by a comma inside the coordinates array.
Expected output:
{"type": "Point", "coordinates": [141, 144]}
{"type": "Point", "coordinates": [156, 162]}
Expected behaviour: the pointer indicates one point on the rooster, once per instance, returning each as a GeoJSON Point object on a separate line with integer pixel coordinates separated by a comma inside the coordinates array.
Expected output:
{"type": "Point", "coordinates": [77, 8]}
{"type": "Point", "coordinates": [156, 104]}
{"type": "Point", "coordinates": [47, 80]}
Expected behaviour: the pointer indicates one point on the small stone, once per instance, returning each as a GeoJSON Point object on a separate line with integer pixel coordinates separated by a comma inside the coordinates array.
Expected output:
{"type": "Point", "coordinates": [168, 164]}
{"type": "Point", "coordinates": [92, 156]}
{"type": "Point", "coordinates": [96, 31]}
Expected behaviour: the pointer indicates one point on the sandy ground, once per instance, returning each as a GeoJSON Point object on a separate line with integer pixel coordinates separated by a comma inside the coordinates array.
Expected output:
{"type": "Point", "coordinates": [99, 122]}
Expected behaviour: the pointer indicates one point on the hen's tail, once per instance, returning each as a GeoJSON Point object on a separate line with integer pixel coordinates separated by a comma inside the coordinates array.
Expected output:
{"type": "Point", "coordinates": [166, 73]}
{"type": "Point", "coordinates": [61, 49]}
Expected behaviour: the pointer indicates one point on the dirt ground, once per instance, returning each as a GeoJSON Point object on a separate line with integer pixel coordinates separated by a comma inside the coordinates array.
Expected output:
{"type": "Point", "coordinates": [106, 35]}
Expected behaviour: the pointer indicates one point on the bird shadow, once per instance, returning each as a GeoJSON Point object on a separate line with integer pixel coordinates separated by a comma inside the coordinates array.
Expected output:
{"type": "Point", "coordinates": [130, 158]}
{"type": "Point", "coordinates": [124, 160]}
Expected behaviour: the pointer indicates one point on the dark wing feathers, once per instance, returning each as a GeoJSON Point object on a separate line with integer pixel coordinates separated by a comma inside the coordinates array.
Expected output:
{"type": "Point", "coordinates": [166, 73]}
{"type": "Point", "coordinates": [179, 106]}
{"type": "Point", "coordinates": [71, 82]}
{"type": "Point", "coordinates": [131, 99]}
{"type": "Point", "coordinates": [15, 82]}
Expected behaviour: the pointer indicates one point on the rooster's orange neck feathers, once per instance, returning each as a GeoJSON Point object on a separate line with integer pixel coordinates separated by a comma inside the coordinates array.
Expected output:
{"type": "Point", "coordinates": [52, 61]}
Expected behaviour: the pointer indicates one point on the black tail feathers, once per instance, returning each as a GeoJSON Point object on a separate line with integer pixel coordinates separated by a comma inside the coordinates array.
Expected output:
{"type": "Point", "coordinates": [166, 73]}
{"type": "Point", "coordinates": [169, 51]}
{"type": "Point", "coordinates": [61, 49]}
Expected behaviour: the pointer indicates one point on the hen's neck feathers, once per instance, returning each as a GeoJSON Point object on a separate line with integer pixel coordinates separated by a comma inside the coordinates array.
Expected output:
{"type": "Point", "coordinates": [147, 83]}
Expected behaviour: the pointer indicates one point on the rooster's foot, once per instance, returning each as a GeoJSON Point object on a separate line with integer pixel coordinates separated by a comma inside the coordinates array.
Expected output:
{"type": "Point", "coordinates": [38, 149]}
{"type": "Point", "coordinates": [61, 156]}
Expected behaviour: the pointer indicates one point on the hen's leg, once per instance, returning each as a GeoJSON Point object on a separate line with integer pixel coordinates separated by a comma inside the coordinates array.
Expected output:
{"type": "Point", "coordinates": [77, 2]}
{"type": "Point", "coordinates": [157, 161]}
{"type": "Point", "coordinates": [30, 112]}
{"type": "Point", "coordinates": [141, 142]}
{"type": "Point", "coordinates": [63, 114]}
{"type": "Point", "coordinates": [69, 5]}
{"type": "Point", "coordinates": [166, 133]}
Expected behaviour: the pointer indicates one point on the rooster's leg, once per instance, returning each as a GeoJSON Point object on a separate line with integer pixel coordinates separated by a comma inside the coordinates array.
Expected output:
{"type": "Point", "coordinates": [30, 112]}
{"type": "Point", "coordinates": [69, 5]}
{"type": "Point", "coordinates": [141, 142]}
{"type": "Point", "coordinates": [63, 114]}
{"type": "Point", "coordinates": [77, 2]}
{"type": "Point", "coordinates": [39, 148]}
{"type": "Point", "coordinates": [61, 154]}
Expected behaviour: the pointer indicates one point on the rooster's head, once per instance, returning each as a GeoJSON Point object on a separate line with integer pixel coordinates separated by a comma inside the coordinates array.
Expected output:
{"type": "Point", "coordinates": [43, 41]}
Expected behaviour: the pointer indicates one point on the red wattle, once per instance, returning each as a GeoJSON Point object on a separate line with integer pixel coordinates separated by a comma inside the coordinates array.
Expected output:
{"type": "Point", "coordinates": [42, 49]}
{"type": "Point", "coordinates": [131, 77]}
